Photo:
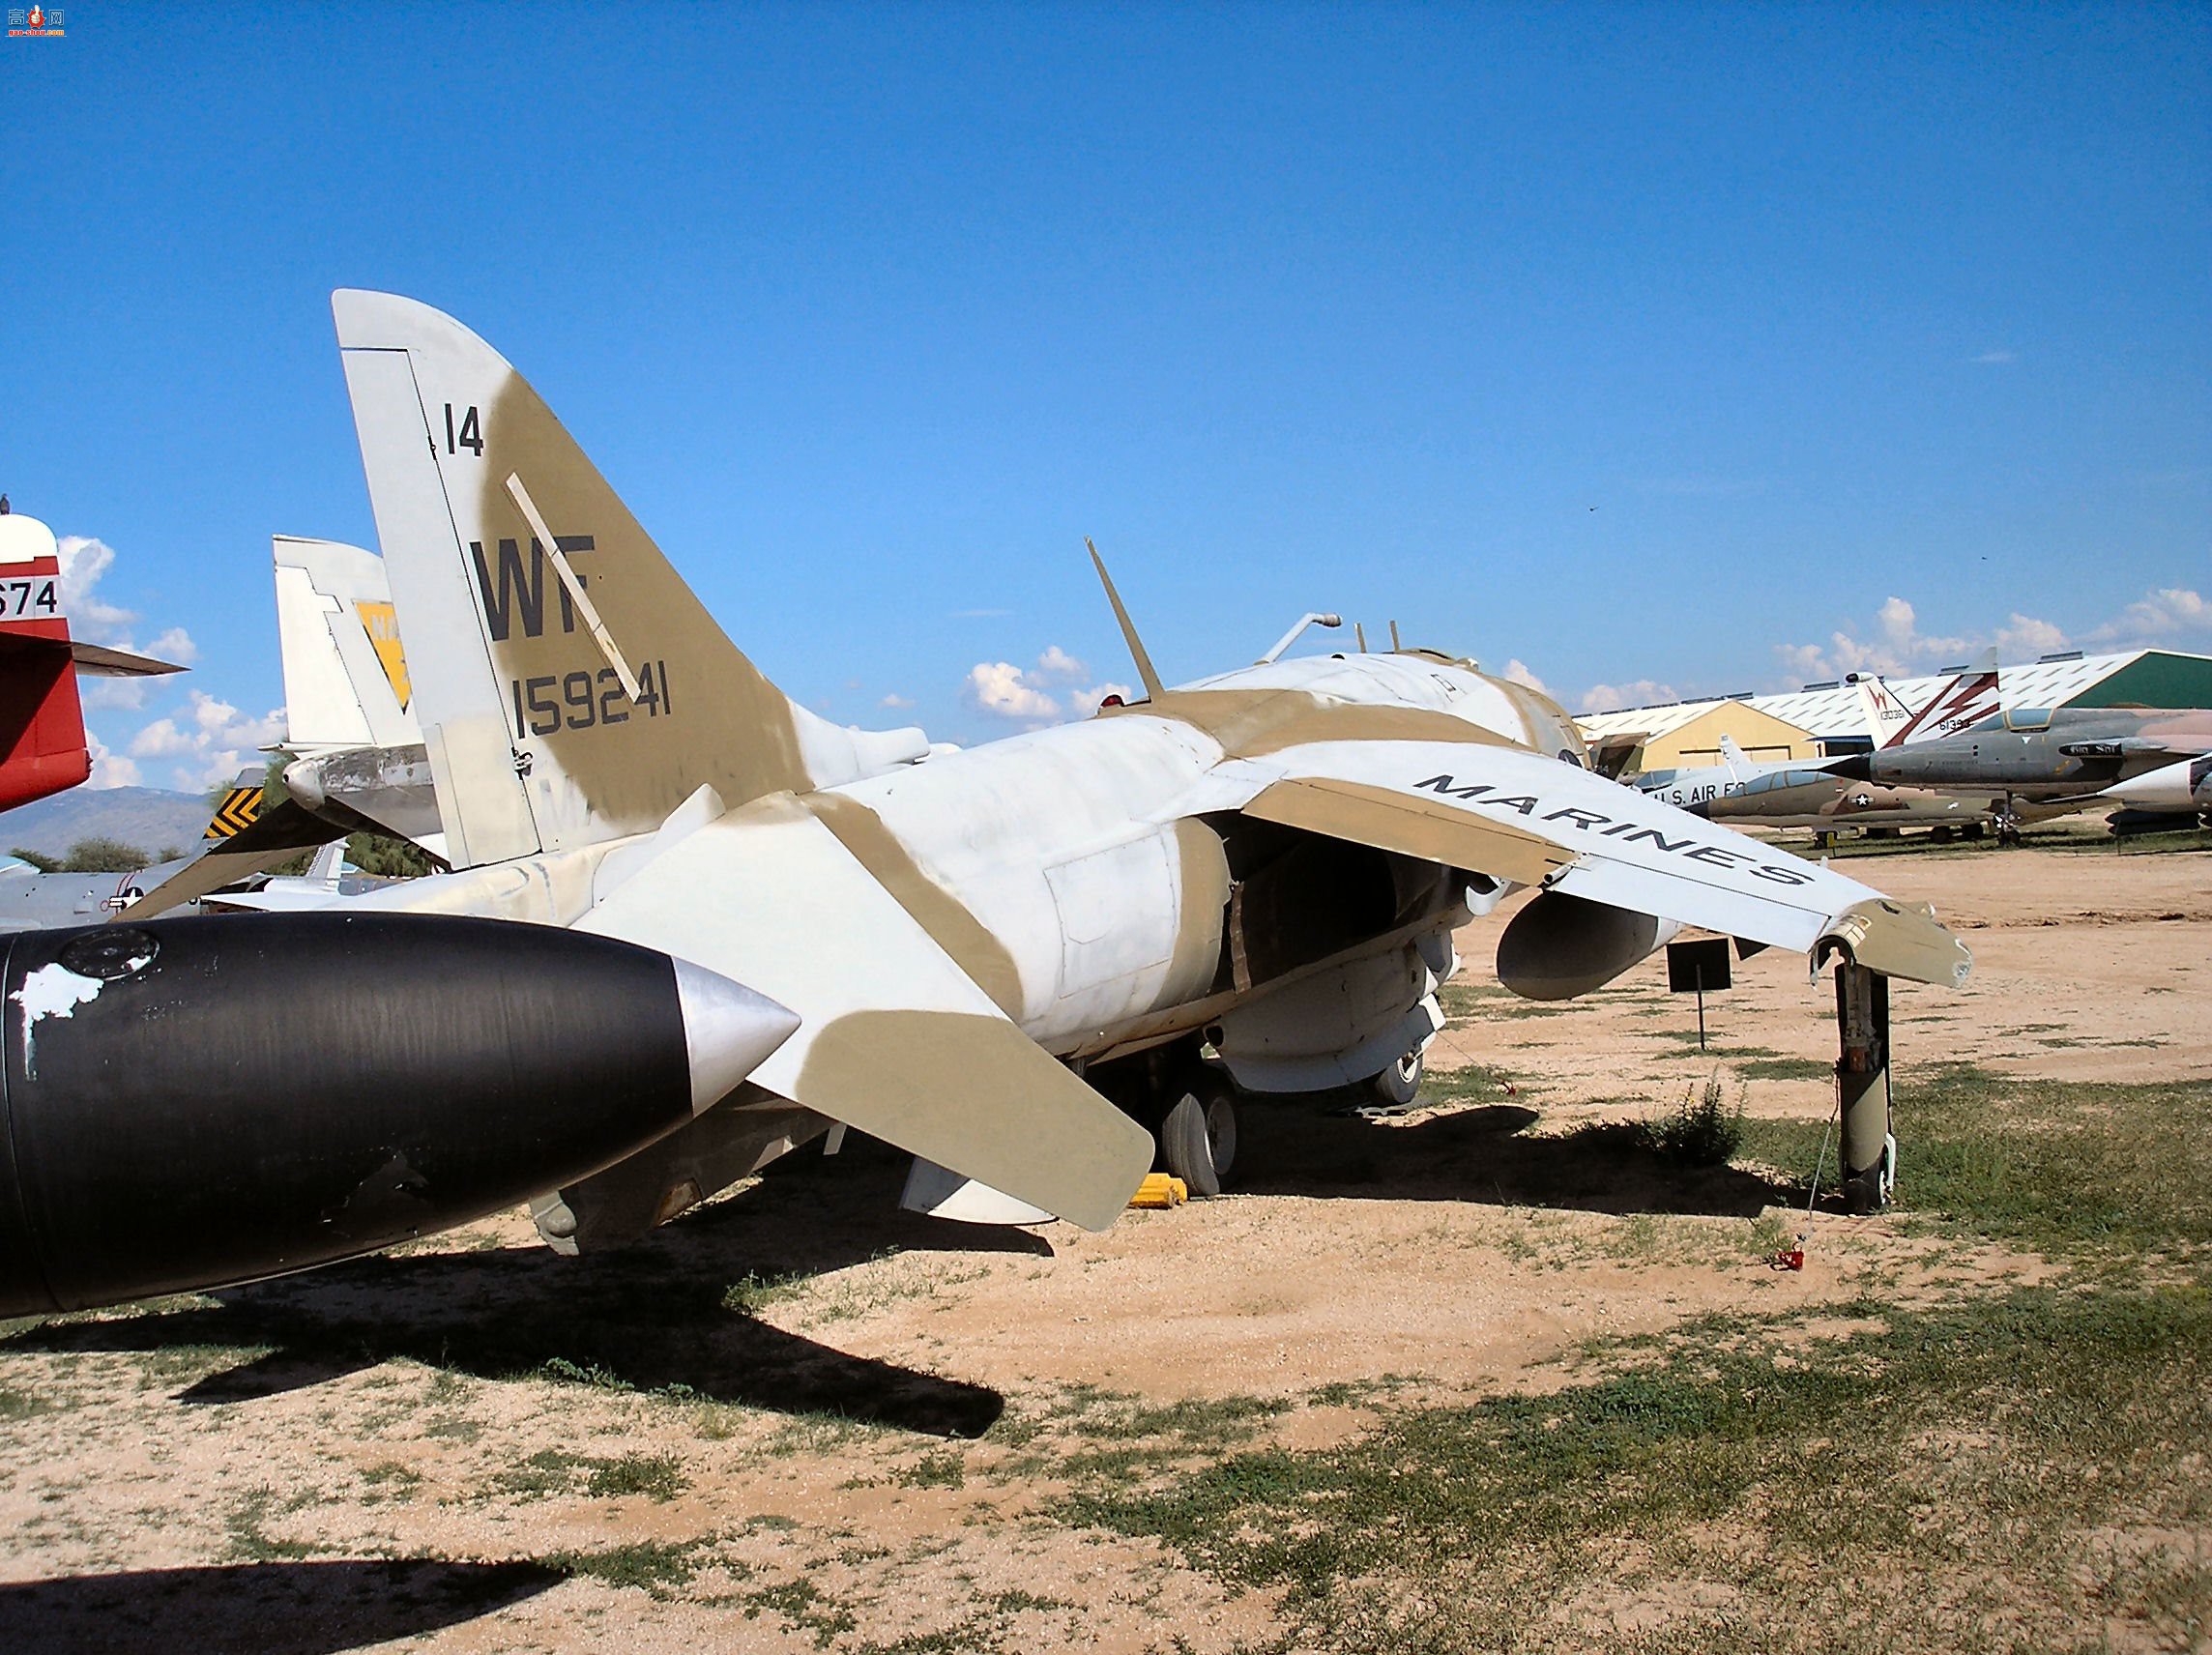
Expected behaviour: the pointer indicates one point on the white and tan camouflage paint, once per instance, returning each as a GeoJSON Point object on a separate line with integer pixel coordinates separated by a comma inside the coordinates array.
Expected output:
{"type": "Point", "coordinates": [945, 928]}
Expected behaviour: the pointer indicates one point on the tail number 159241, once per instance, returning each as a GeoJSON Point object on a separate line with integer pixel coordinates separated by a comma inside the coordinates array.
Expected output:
{"type": "Point", "coordinates": [579, 700]}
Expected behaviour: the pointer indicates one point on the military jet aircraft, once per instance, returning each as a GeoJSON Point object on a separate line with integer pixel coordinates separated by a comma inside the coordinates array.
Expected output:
{"type": "Point", "coordinates": [689, 923]}
{"type": "Point", "coordinates": [2184, 785]}
{"type": "Point", "coordinates": [352, 759]}
{"type": "Point", "coordinates": [31, 899]}
{"type": "Point", "coordinates": [1796, 793]}
{"type": "Point", "coordinates": [2041, 757]}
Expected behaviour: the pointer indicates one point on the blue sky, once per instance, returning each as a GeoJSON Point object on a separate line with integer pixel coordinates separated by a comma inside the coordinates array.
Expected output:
{"type": "Point", "coordinates": [1655, 348]}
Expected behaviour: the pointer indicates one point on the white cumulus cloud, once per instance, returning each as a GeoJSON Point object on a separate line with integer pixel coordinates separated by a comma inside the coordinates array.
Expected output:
{"type": "Point", "coordinates": [1053, 688]}
{"type": "Point", "coordinates": [1636, 692]}
{"type": "Point", "coordinates": [109, 768]}
{"type": "Point", "coordinates": [1001, 689]}
{"type": "Point", "coordinates": [1057, 666]}
{"type": "Point", "coordinates": [1897, 645]}
{"type": "Point", "coordinates": [1518, 671]}
{"type": "Point", "coordinates": [1087, 701]}
{"type": "Point", "coordinates": [213, 743]}
{"type": "Point", "coordinates": [895, 701]}
{"type": "Point", "coordinates": [2157, 615]}
{"type": "Point", "coordinates": [85, 561]}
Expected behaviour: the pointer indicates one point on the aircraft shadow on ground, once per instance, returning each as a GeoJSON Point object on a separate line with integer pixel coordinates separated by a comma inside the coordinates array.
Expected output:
{"type": "Point", "coordinates": [273, 1608]}
{"type": "Point", "coordinates": [653, 1316]}
{"type": "Point", "coordinates": [657, 1317]}
{"type": "Point", "coordinates": [1484, 1154]}
{"type": "Point", "coordinates": [1301, 1144]}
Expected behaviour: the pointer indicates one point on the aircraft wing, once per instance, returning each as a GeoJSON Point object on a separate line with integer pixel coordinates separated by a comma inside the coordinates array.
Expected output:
{"type": "Point", "coordinates": [1519, 816]}
{"type": "Point", "coordinates": [98, 661]}
{"type": "Point", "coordinates": [894, 1038]}
{"type": "Point", "coordinates": [278, 833]}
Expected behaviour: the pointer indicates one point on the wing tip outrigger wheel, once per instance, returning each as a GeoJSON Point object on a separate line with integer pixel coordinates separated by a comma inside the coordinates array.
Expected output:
{"type": "Point", "coordinates": [1398, 1083]}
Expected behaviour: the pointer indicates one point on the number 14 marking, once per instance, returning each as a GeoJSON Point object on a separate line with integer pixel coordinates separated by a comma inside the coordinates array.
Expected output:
{"type": "Point", "coordinates": [470, 436]}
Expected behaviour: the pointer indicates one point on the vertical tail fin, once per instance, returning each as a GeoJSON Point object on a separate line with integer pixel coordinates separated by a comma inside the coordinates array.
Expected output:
{"type": "Point", "coordinates": [238, 808]}
{"type": "Point", "coordinates": [1966, 700]}
{"type": "Point", "coordinates": [569, 686]}
{"type": "Point", "coordinates": [1887, 716]}
{"type": "Point", "coordinates": [337, 636]}
{"type": "Point", "coordinates": [43, 747]}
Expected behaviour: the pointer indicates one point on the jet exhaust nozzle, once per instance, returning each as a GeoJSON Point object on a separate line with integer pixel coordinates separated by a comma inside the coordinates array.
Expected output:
{"type": "Point", "coordinates": [193, 1103]}
{"type": "Point", "coordinates": [1560, 946]}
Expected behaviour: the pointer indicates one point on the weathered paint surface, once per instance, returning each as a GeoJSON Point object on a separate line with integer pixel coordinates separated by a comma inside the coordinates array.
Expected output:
{"type": "Point", "coordinates": [940, 922]}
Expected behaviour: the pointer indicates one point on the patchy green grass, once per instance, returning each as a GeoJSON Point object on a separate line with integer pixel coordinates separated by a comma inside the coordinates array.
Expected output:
{"type": "Point", "coordinates": [554, 1470]}
{"type": "Point", "coordinates": [390, 1480]}
{"type": "Point", "coordinates": [943, 1470]}
{"type": "Point", "coordinates": [18, 1402]}
{"type": "Point", "coordinates": [803, 1606]}
{"type": "Point", "coordinates": [1714, 1047]}
{"type": "Point", "coordinates": [2022, 1470]}
{"type": "Point", "coordinates": [1101, 1429]}
{"type": "Point", "coordinates": [1477, 1002]}
{"type": "Point", "coordinates": [1975, 1451]}
{"type": "Point", "coordinates": [753, 1292]}
{"type": "Point", "coordinates": [1783, 1069]}
{"type": "Point", "coordinates": [2077, 1170]}
{"type": "Point", "coordinates": [654, 1566]}
{"type": "Point", "coordinates": [1473, 1084]}
{"type": "Point", "coordinates": [247, 1529]}
{"type": "Point", "coordinates": [2069, 836]}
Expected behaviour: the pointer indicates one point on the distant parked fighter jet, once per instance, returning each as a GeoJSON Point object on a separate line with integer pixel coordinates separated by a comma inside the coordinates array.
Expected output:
{"type": "Point", "coordinates": [31, 900]}
{"type": "Point", "coordinates": [1798, 793]}
{"type": "Point", "coordinates": [2186, 784]}
{"type": "Point", "coordinates": [2041, 756]}
{"type": "Point", "coordinates": [691, 925]}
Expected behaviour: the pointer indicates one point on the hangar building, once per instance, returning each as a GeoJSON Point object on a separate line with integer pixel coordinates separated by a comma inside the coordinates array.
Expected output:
{"type": "Point", "coordinates": [1824, 720]}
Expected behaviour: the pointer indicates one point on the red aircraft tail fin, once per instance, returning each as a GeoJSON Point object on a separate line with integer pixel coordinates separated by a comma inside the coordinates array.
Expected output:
{"type": "Point", "coordinates": [42, 724]}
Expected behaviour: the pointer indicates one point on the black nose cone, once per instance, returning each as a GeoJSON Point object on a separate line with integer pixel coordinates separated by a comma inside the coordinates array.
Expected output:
{"type": "Point", "coordinates": [1858, 766]}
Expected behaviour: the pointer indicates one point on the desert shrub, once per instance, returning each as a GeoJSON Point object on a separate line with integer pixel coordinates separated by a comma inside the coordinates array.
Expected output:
{"type": "Point", "coordinates": [1703, 1130]}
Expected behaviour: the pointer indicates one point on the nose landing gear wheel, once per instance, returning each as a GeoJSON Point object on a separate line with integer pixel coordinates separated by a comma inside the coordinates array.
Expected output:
{"type": "Point", "coordinates": [1198, 1137]}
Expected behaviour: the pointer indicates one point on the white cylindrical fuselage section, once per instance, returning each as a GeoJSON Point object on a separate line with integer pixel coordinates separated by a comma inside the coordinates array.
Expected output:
{"type": "Point", "coordinates": [1068, 847]}
{"type": "Point", "coordinates": [1044, 840]}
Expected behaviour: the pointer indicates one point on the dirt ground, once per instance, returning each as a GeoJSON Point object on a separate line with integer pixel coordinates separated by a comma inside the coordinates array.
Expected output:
{"type": "Point", "coordinates": [412, 1452]}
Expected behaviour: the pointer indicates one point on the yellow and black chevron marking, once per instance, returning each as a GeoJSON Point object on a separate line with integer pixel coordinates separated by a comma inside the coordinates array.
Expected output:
{"type": "Point", "coordinates": [237, 811]}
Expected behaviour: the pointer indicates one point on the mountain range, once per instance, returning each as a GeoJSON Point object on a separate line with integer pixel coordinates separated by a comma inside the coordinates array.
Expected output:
{"type": "Point", "coordinates": [151, 818]}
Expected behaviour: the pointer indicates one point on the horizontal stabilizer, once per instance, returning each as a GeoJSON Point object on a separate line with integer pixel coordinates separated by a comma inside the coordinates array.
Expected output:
{"type": "Point", "coordinates": [278, 833]}
{"type": "Point", "coordinates": [895, 1038]}
{"type": "Point", "coordinates": [98, 661]}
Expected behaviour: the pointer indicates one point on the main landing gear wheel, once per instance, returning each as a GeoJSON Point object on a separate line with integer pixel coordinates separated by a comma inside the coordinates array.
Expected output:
{"type": "Point", "coordinates": [1401, 1080]}
{"type": "Point", "coordinates": [1198, 1137]}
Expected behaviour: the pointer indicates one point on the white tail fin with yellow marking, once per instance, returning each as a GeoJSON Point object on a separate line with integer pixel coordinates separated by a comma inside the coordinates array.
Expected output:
{"type": "Point", "coordinates": [569, 686]}
{"type": "Point", "coordinates": [345, 669]}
